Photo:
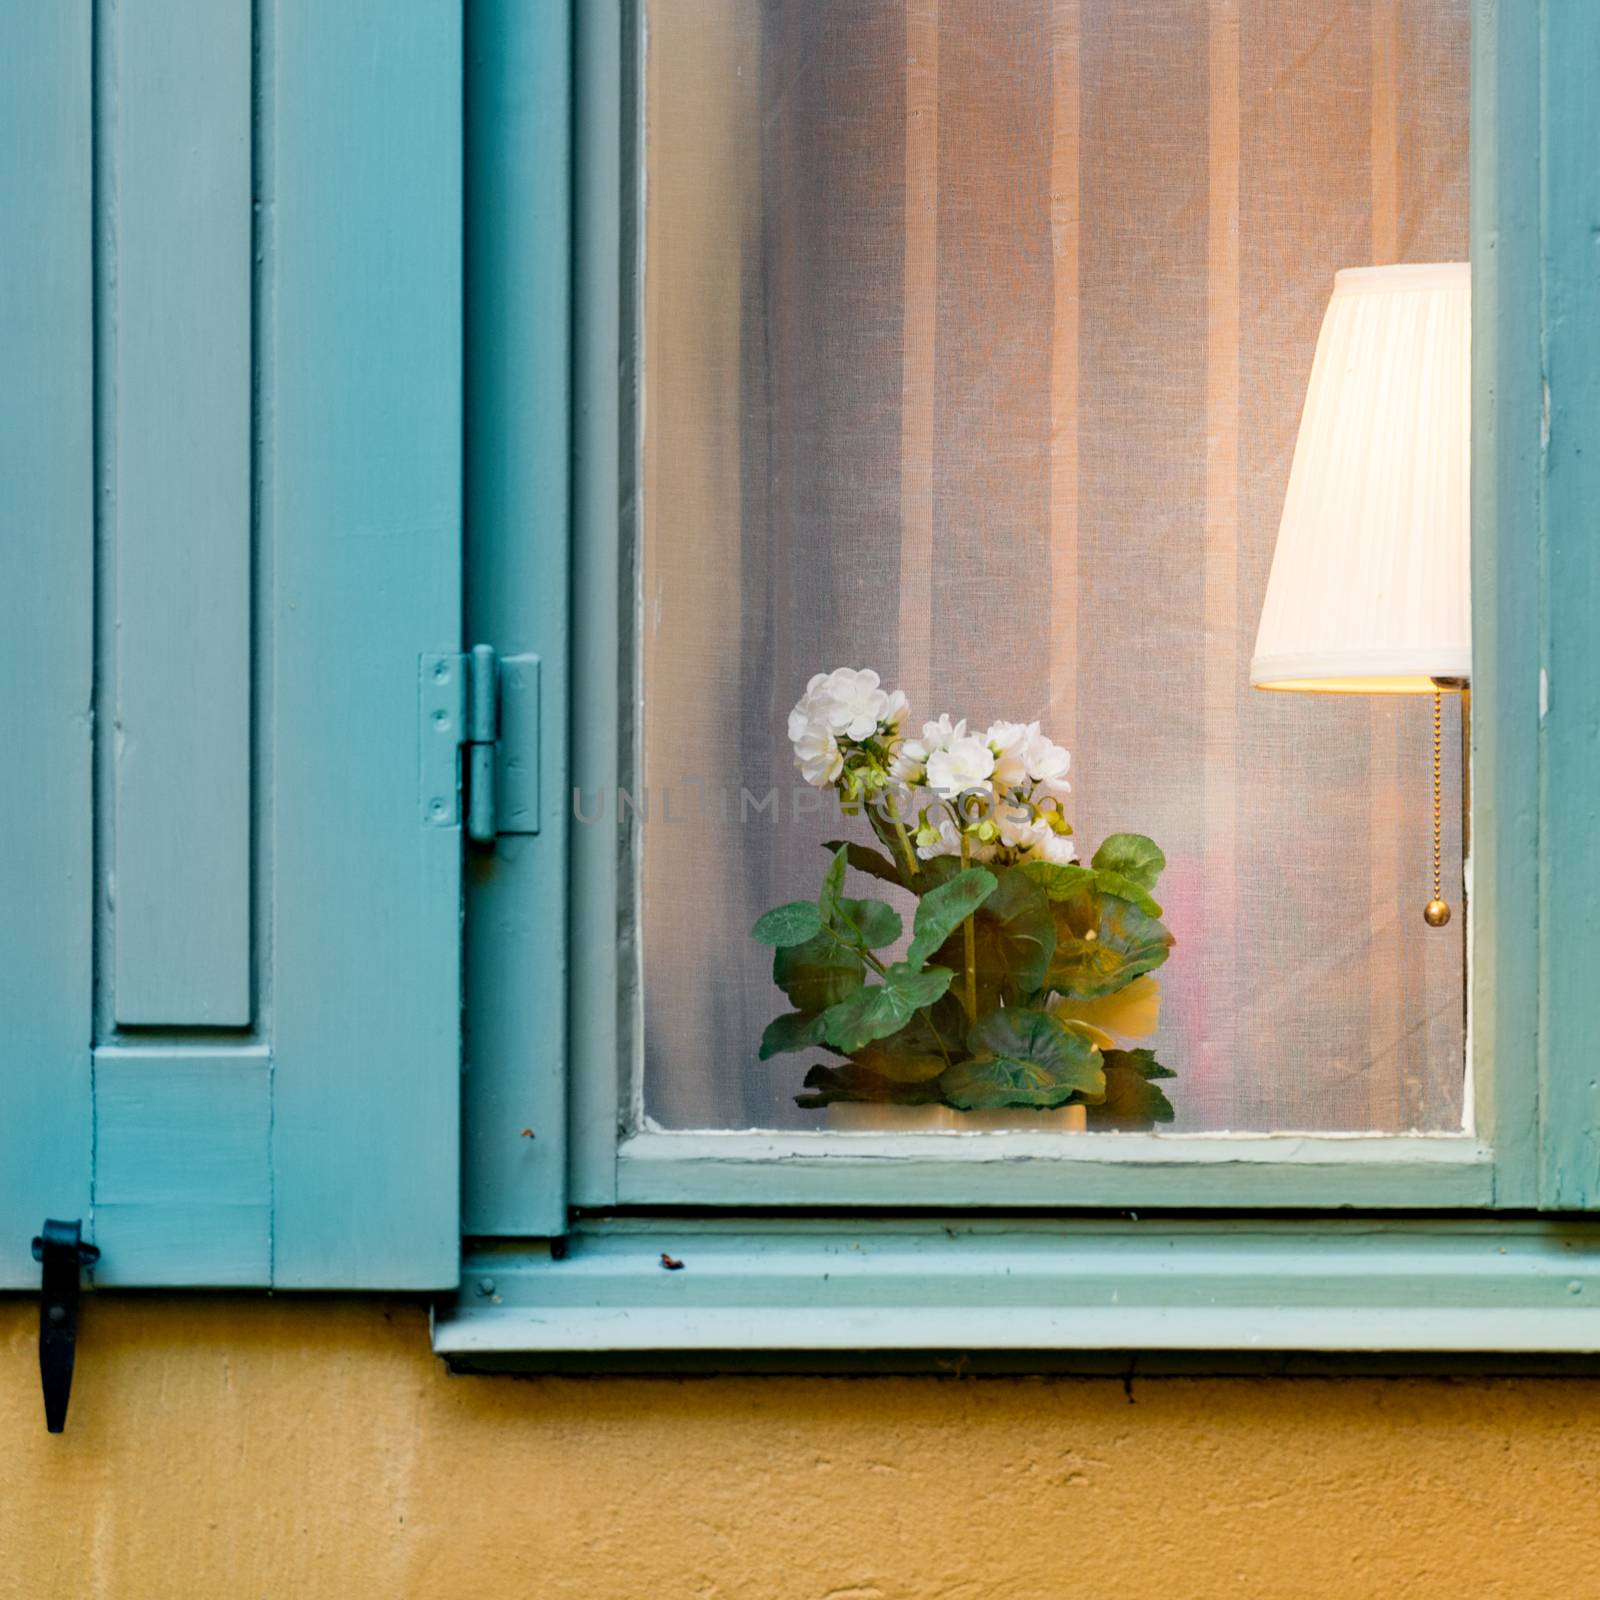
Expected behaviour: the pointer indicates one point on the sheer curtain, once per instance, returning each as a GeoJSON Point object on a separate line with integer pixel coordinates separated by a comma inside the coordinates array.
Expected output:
{"type": "Point", "coordinates": [975, 338]}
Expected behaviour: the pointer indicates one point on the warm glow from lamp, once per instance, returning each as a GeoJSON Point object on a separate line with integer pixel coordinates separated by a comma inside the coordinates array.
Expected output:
{"type": "Point", "coordinates": [1370, 587]}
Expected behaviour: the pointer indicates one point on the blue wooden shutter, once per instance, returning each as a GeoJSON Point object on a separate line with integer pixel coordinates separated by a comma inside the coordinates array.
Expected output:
{"type": "Point", "coordinates": [1564, 500]}
{"type": "Point", "coordinates": [230, 451]}
{"type": "Point", "coordinates": [519, 449]}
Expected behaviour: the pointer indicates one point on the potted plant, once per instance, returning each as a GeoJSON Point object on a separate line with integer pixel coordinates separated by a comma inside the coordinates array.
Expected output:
{"type": "Point", "coordinates": [1028, 975]}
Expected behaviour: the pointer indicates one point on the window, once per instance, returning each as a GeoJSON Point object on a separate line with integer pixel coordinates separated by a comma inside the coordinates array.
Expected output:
{"type": "Point", "coordinates": [974, 344]}
{"type": "Point", "coordinates": [971, 348]}
{"type": "Point", "coordinates": [1225, 1231]}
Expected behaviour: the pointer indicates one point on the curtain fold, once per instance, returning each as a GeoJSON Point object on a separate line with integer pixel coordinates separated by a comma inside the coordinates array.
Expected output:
{"type": "Point", "coordinates": [975, 338]}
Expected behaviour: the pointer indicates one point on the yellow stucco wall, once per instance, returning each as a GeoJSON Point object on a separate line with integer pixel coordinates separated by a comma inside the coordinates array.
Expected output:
{"type": "Point", "coordinates": [292, 1449]}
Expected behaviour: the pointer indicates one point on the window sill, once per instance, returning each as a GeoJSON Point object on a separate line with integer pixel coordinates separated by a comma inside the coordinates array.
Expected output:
{"type": "Point", "coordinates": [853, 1291]}
{"type": "Point", "coordinates": [1418, 1172]}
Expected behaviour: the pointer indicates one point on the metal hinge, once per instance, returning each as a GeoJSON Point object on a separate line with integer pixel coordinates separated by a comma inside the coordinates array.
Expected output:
{"type": "Point", "coordinates": [480, 740]}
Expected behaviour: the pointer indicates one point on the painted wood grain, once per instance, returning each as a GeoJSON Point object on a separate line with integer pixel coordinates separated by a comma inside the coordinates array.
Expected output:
{"type": "Point", "coordinates": [1205, 1171]}
{"type": "Point", "coordinates": [518, 408]}
{"type": "Point", "coordinates": [1506, 489]}
{"type": "Point", "coordinates": [1569, 838]}
{"type": "Point", "coordinates": [601, 951]}
{"type": "Point", "coordinates": [178, 362]}
{"type": "Point", "coordinates": [183, 1180]}
{"type": "Point", "coordinates": [46, 621]}
{"type": "Point", "coordinates": [362, 510]}
{"type": "Point", "coordinates": [947, 1283]}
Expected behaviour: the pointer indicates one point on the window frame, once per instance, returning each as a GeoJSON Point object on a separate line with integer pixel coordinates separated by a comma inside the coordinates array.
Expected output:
{"type": "Point", "coordinates": [1439, 1249]}
{"type": "Point", "coordinates": [1485, 1166]}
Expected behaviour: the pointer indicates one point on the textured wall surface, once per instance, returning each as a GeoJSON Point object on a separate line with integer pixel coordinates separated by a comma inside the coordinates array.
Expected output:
{"type": "Point", "coordinates": [222, 1448]}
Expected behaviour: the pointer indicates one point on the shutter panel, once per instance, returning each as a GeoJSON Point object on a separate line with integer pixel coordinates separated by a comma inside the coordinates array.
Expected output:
{"type": "Point", "coordinates": [1569, 909]}
{"type": "Point", "coordinates": [365, 378]}
{"type": "Point", "coordinates": [46, 622]}
{"type": "Point", "coordinates": [262, 317]}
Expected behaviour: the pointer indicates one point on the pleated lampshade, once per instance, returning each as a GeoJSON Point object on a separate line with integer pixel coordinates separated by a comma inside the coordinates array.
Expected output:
{"type": "Point", "coordinates": [1370, 586]}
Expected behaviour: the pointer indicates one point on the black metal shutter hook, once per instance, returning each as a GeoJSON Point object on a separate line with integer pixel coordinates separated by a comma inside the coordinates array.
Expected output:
{"type": "Point", "coordinates": [61, 1250]}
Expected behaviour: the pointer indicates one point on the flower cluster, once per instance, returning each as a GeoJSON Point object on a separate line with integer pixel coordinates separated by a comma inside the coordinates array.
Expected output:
{"type": "Point", "coordinates": [985, 797]}
{"type": "Point", "coordinates": [843, 727]}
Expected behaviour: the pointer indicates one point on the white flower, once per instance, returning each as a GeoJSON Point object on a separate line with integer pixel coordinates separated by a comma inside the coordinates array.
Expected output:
{"type": "Point", "coordinates": [809, 709]}
{"type": "Point", "coordinates": [1020, 827]}
{"type": "Point", "coordinates": [1008, 740]}
{"type": "Point", "coordinates": [1046, 762]}
{"type": "Point", "coordinates": [1056, 848]}
{"type": "Point", "coordinates": [844, 705]}
{"type": "Point", "coordinates": [817, 754]}
{"type": "Point", "coordinates": [941, 837]}
{"type": "Point", "coordinates": [965, 763]}
{"type": "Point", "coordinates": [850, 702]}
{"type": "Point", "coordinates": [909, 764]}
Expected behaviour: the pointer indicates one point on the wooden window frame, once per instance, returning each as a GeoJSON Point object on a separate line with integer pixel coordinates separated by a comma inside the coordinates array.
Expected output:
{"type": "Point", "coordinates": [1488, 1166]}
{"type": "Point", "coordinates": [845, 1243]}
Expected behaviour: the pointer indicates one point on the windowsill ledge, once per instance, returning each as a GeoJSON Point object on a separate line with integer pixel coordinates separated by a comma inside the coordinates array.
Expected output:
{"type": "Point", "coordinates": [853, 1290]}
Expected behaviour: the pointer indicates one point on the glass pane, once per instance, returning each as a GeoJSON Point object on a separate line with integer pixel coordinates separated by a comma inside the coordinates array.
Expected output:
{"type": "Point", "coordinates": [975, 338]}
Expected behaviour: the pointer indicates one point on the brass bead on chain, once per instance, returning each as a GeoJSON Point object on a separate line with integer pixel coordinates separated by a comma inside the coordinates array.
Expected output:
{"type": "Point", "coordinates": [1436, 913]}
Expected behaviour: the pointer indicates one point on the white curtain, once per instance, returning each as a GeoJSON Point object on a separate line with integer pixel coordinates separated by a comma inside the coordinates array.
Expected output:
{"type": "Point", "coordinates": [975, 338]}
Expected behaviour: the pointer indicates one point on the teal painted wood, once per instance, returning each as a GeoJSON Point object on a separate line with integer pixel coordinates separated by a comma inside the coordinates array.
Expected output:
{"type": "Point", "coordinates": [650, 1168]}
{"type": "Point", "coordinates": [46, 621]}
{"type": "Point", "coordinates": [1506, 484]}
{"type": "Point", "coordinates": [323, 1150]}
{"type": "Point", "coordinates": [179, 367]}
{"type": "Point", "coordinates": [1197, 1171]}
{"type": "Point", "coordinates": [518, 394]}
{"type": "Point", "coordinates": [951, 1283]}
{"type": "Point", "coordinates": [599, 922]}
{"type": "Point", "coordinates": [1569, 841]}
{"type": "Point", "coordinates": [183, 1172]}
{"type": "Point", "coordinates": [361, 345]}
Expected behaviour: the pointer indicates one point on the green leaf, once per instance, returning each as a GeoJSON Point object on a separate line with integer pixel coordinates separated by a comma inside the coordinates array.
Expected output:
{"type": "Point", "coordinates": [942, 910]}
{"type": "Point", "coordinates": [832, 888]}
{"type": "Point", "coordinates": [1022, 1058]}
{"type": "Point", "coordinates": [1132, 855]}
{"type": "Point", "coordinates": [790, 924]}
{"type": "Point", "coordinates": [865, 859]}
{"type": "Point", "coordinates": [879, 1009]}
{"type": "Point", "coordinates": [1015, 937]}
{"type": "Point", "coordinates": [1103, 943]}
{"type": "Point", "coordinates": [1061, 883]}
{"type": "Point", "coordinates": [1131, 1102]}
{"type": "Point", "coordinates": [818, 973]}
{"type": "Point", "coordinates": [1058, 882]}
{"type": "Point", "coordinates": [874, 923]}
{"type": "Point", "coordinates": [923, 1048]}
{"type": "Point", "coordinates": [794, 1030]}
{"type": "Point", "coordinates": [1127, 889]}
{"type": "Point", "coordinates": [935, 873]}
{"type": "Point", "coordinates": [850, 1082]}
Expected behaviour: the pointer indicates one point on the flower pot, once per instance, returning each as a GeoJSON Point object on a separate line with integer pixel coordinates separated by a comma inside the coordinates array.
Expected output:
{"type": "Point", "coordinates": [862, 1116]}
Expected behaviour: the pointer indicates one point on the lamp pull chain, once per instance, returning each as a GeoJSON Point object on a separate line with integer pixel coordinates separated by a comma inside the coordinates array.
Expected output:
{"type": "Point", "coordinates": [1437, 912]}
